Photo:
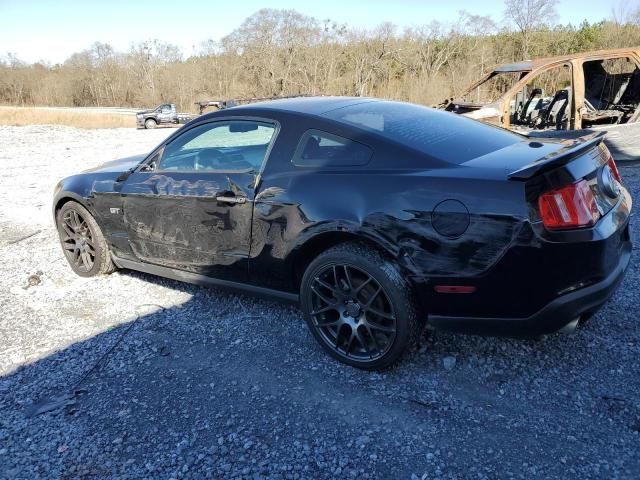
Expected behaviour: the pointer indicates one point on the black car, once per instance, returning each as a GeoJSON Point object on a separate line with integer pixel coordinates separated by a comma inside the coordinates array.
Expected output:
{"type": "Point", "coordinates": [380, 218]}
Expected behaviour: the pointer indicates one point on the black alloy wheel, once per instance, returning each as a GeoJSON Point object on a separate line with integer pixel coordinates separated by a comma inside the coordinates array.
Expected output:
{"type": "Point", "coordinates": [358, 306]}
{"type": "Point", "coordinates": [82, 241]}
{"type": "Point", "coordinates": [77, 241]}
{"type": "Point", "coordinates": [352, 312]}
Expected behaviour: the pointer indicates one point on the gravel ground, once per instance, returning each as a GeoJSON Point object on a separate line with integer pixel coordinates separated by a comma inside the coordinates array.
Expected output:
{"type": "Point", "coordinates": [131, 376]}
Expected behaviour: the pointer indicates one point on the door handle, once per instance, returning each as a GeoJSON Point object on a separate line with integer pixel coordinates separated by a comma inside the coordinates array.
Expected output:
{"type": "Point", "coordinates": [224, 199]}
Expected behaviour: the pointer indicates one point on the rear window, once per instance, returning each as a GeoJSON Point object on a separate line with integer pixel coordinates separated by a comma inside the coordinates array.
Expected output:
{"type": "Point", "coordinates": [322, 149]}
{"type": "Point", "coordinates": [440, 135]}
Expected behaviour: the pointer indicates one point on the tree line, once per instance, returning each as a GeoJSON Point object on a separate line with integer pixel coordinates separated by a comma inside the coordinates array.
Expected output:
{"type": "Point", "coordinates": [282, 52]}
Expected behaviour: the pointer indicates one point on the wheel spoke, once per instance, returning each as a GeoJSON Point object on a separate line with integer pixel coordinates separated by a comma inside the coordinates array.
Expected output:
{"type": "Point", "coordinates": [380, 314]}
{"type": "Point", "coordinates": [381, 328]}
{"type": "Point", "coordinates": [67, 229]}
{"type": "Point", "coordinates": [373, 337]}
{"type": "Point", "coordinates": [337, 339]}
{"type": "Point", "coordinates": [333, 289]}
{"type": "Point", "coordinates": [361, 341]}
{"type": "Point", "coordinates": [348, 347]}
{"type": "Point", "coordinates": [361, 286]}
{"type": "Point", "coordinates": [323, 309]}
{"type": "Point", "coordinates": [322, 297]}
{"type": "Point", "coordinates": [69, 223]}
{"type": "Point", "coordinates": [86, 260]}
{"type": "Point", "coordinates": [328, 324]}
{"type": "Point", "coordinates": [347, 276]}
{"type": "Point", "coordinates": [372, 297]}
{"type": "Point", "coordinates": [75, 220]}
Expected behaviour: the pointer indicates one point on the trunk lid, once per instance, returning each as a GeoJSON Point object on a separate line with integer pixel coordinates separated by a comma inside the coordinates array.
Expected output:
{"type": "Point", "coordinates": [568, 151]}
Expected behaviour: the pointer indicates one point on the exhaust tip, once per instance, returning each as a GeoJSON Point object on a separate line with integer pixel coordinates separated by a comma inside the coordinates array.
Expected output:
{"type": "Point", "coordinates": [571, 326]}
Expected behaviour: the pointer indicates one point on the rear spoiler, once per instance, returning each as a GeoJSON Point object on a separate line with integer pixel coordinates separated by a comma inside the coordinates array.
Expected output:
{"type": "Point", "coordinates": [559, 158]}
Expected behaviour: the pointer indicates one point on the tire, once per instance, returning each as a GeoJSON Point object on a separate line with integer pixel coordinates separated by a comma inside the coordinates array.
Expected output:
{"type": "Point", "coordinates": [358, 306]}
{"type": "Point", "coordinates": [150, 123]}
{"type": "Point", "coordinates": [82, 241]}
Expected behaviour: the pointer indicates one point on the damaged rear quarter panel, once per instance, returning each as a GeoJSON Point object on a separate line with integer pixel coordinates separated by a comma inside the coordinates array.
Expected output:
{"type": "Point", "coordinates": [391, 209]}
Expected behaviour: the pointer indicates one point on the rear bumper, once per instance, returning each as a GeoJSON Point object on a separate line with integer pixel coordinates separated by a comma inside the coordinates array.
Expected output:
{"type": "Point", "coordinates": [549, 319]}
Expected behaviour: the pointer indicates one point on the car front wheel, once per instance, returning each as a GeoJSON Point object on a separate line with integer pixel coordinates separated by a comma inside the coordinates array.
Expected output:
{"type": "Point", "coordinates": [358, 306]}
{"type": "Point", "coordinates": [82, 241]}
{"type": "Point", "coordinates": [150, 123]}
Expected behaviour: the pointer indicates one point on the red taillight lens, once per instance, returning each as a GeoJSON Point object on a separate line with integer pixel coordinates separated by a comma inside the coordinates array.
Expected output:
{"type": "Point", "coordinates": [614, 168]}
{"type": "Point", "coordinates": [572, 206]}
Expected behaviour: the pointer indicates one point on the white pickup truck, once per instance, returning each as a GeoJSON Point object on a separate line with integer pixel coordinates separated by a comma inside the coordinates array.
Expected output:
{"type": "Point", "coordinates": [164, 114]}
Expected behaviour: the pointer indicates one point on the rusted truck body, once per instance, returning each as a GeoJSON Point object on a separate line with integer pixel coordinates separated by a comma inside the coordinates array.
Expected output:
{"type": "Point", "coordinates": [566, 96]}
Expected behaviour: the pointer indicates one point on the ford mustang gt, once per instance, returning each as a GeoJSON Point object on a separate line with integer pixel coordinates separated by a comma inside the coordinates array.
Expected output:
{"type": "Point", "coordinates": [380, 218]}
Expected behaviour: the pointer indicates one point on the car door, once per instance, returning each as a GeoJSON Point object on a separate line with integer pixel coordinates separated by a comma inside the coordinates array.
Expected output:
{"type": "Point", "coordinates": [165, 114]}
{"type": "Point", "coordinates": [192, 208]}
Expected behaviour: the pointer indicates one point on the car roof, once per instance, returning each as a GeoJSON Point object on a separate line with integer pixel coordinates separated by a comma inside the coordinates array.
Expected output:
{"type": "Point", "coordinates": [535, 63]}
{"type": "Point", "coordinates": [302, 105]}
{"type": "Point", "coordinates": [515, 67]}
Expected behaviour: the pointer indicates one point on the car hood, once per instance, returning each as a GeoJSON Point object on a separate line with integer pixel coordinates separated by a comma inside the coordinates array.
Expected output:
{"type": "Point", "coordinates": [118, 166]}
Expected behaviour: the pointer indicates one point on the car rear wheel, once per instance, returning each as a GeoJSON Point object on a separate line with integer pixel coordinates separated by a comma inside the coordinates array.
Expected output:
{"type": "Point", "coordinates": [358, 306]}
{"type": "Point", "coordinates": [82, 241]}
{"type": "Point", "coordinates": [150, 123]}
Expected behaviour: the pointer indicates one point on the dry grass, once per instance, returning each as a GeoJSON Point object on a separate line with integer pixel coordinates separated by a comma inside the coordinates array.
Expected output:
{"type": "Point", "coordinates": [70, 117]}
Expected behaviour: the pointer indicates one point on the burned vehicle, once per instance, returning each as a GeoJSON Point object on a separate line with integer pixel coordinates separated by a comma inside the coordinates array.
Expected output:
{"type": "Point", "coordinates": [165, 114]}
{"type": "Point", "coordinates": [380, 218]}
{"type": "Point", "coordinates": [567, 97]}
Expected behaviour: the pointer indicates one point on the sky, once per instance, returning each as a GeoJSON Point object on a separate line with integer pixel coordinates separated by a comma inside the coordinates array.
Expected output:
{"type": "Point", "coordinates": [50, 31]}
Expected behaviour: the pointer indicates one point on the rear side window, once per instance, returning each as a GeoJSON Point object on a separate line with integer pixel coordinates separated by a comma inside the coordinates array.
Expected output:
{"type": "Point", "coordinates": [322, 149]}
{"type": "Point", "coordinates": [440, 135]}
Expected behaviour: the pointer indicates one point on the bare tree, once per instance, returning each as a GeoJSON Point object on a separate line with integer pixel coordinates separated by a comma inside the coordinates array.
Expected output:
{"type": "Point", "coordinates": [624, 12]}
{"type": "Point", "coordinates": [281, 52]}
{"type": "Point", "coordinates": [528, 15]}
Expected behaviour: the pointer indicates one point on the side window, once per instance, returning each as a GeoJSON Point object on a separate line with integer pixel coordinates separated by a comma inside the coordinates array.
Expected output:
{"type": "Point", "coordinates": [166, 109]}
{"type": "Point", "coordinates": [236, 145]}
{"type": "Point", "coordinates": [611, 90]}
{"type": "Point", "coordinates": [321, 149]}
{"type": "Point", "coordinates": [545, 101]}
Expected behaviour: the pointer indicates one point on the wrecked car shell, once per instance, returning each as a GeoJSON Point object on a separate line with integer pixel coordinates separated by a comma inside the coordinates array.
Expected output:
{"type": "Point", "coordinates": [591, 92]}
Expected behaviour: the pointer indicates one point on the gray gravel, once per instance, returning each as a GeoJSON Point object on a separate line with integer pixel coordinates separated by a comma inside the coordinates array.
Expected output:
{"type": "Point", "coordinates": [131, 376]}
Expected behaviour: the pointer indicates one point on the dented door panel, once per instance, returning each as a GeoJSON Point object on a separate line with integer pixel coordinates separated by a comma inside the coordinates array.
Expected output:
{"type": "Point", "coordinates": [178, 220]}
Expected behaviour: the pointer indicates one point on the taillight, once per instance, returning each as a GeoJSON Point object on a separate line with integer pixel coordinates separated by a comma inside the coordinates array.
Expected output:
{"type": "Point", "coordinates": [610, 161]}
{"type": "Point", "coordinates": [573, 206]}
{"type": "Point", "coordinates": [614, 168]}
